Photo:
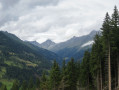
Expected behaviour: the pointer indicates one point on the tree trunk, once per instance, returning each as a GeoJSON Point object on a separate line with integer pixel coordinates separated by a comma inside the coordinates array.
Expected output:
{"type": "Point", "coordinates": [109, 70]}
{"type": "Point", "coordinates": [88, 84]}
{"type": "Point", "coordinates": [100, 75]}
{"type": "Point", "coordinates": [98, 82]}
{"type": "Point", "coordinates": [118, 70]}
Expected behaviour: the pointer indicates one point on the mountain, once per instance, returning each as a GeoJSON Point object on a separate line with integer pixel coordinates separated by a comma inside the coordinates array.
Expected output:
{"type": "Point", "coordinates": [34, 43]}
{"type": "Point", "coordinates": [22, 60]}
{"type": "Point", "coordinates": [47, 44]}
{"type": "Point", "coordinates": [74, 47]}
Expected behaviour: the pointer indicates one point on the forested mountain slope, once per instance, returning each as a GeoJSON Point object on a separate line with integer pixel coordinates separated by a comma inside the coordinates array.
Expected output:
{"type": "Point", "coordinates": [22, 60]}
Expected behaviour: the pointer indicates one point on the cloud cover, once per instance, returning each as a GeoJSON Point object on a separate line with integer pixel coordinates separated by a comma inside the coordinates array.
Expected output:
{"type": "Point", "coordinates": [58, 20]}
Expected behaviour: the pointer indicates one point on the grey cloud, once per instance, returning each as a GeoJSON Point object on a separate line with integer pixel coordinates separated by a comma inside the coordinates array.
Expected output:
{"type": "Point", "coordinates": [8, 3]}
{"type": "Point", "coordinates": [13, 9]}
{"type": "Point", "coordinates": [58, 20]}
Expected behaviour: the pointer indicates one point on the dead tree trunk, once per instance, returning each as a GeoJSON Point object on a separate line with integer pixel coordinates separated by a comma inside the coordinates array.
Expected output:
{"type": "Point", "coordinates": [100, 75]}
{"type": "Point", "coordinates": [118, 71]}
{"type": "Point", "coordinates": [109, 70]}
{"type": "Point", "coordinates": [98, 81]}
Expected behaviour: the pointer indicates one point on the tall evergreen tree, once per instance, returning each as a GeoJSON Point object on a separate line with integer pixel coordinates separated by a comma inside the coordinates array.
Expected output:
{"type": "Point", "coordinates": [71, 75]}
{"type": "Point", "coordinates": [106, 34]}
{"type": "Point", "coordinates": [115, 39]}
{"type": "Point", "coordinates": [63, 73]}
{"type": "Point", "coordinates": [85, 71]}
{"type": "Point", "coordinates": [44, 82]}
{"type": "Point", "coordinates": [55, 76]}
{"type": "Point", "coordinates": [96, 61]}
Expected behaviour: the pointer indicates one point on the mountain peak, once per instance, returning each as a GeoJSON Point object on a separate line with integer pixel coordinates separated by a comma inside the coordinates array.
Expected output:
{"type": "Point", "coordinates": [47, 44]}
{"type": "Point", "coordinates": [49, 41]}
{"type": "Point", "coordinates": [35, 43]}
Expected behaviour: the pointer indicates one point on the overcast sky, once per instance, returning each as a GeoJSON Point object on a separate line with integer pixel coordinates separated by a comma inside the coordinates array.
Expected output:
{"type": "Point", "coordinates": [58, 20]}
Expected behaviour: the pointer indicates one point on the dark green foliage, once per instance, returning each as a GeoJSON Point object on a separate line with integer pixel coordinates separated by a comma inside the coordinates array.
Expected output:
{"type": "Point", "coordinates": [15, 85]}
{"type": "Point", "coordinates": [38, 83]}
{"type": "Point", "coordinates": [31, 84]}
{"type": "Point", "coordinates": [3, 87]}
{"type": "Point", "coordinates": [44, 82]}
{"type": "Point", "coordinates": [24, 86]}
{"type": "Point", "coordinates": [85, 77]}
{"type": "Point", "coordinates": [63, 68]}
{"type": "Point", "coordinates": [55, 76]}
{"type": "Point", "coordinates": [18, 73]}
{"type": "Point", "coordinates": [71, 75]}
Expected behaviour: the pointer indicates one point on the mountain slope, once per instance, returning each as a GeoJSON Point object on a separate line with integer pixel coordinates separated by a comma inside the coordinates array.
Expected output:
{"type": "Point", "coordinates": [22, 60]}
{"type": "Point", "coordinates": [74, 47]}
{"type": "Point", "coordinates": [47, 44]}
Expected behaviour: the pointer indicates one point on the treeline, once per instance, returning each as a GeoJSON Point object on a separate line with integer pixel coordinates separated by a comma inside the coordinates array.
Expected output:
{"type": "Point", "coordinates": [64, 78]}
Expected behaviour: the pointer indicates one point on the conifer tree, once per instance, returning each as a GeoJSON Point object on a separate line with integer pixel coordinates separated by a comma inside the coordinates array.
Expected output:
{"type": "Point", "coordinates": [96, 61]}
{"type": "Point", "coordinates": [115, 39]}
{"type": "Point", "coordinates": [63, 74]}
{"type": "Point", "coordinates": [71, 75]}
{"type": "Point", "coordinates": [106, 34]}
{"type": "Point", "coordinates": [55, 76]}
{"type": "Point", "coordinates": [85, 71]}
{"type": "Point", "coordinates": [44, 82]}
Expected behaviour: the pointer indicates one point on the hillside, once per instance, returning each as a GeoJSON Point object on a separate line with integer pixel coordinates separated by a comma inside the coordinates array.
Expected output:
{"type": "Point", "coordinates": [22, 60]}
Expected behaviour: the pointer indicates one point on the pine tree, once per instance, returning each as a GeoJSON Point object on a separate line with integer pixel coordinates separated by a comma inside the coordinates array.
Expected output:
{"type": "Point", "coordinates": [63, 73]}
{"type": "Point", "coordinates": [85, 71]}
{"type": "Point", "coordinates": [71, 76]}
{"type": "Point", "coordinates": [115, 40]}
{"type": "Point", "coordinates": [78, 73]}
{"type": "Point", "coordinates": [44, 82]}
{"type": "Point", "coordinates": [55, 76]}
{"type": "Point", "coordinates": [106, 34]}
{"type": "Point", "coordinates": [96, 61]}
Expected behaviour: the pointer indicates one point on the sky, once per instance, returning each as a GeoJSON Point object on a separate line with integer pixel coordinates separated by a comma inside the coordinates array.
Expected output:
{"type": "Point", "coordinates": [58, 20]}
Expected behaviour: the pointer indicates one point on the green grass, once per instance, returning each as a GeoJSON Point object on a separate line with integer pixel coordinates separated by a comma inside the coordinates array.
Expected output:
{"type": "Point", "coordinates": [12, 63]}
{"type": "Point", "coordinates": [2, 72]}
{"type": "Point", "coordinates": [18, 63]}
{"type": "Point", "coordinates": [28, 63]}
{"type": "Point", "coordinates": [8, 83]}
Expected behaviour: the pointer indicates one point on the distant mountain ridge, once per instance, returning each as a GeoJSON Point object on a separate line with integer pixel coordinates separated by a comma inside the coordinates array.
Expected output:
{"type": "Point", "coordinates": [73, 47]}
{"type": "Point", "coordinates": [47, 44]}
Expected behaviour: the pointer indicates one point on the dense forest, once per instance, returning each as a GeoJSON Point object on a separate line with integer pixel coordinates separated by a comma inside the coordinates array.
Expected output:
{"type": "Point", "coordinates": [98, 70]}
